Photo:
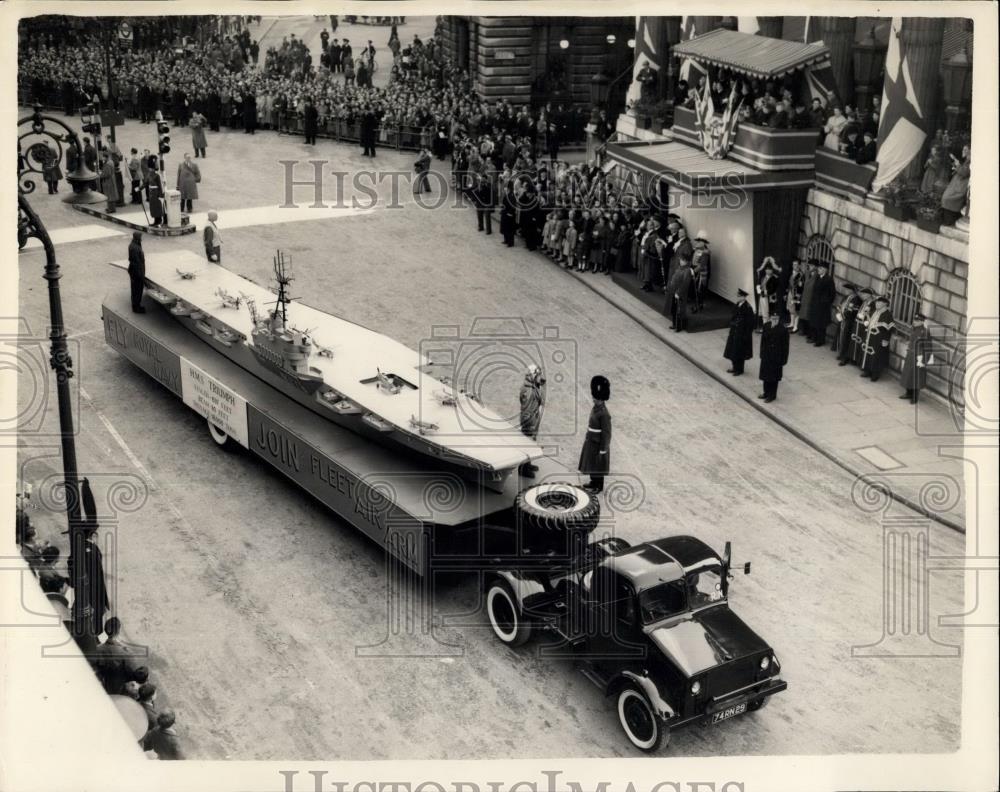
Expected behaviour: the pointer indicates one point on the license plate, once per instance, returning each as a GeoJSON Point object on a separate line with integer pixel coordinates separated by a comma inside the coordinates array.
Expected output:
{"type": "Point", "coordinates": [729, 712]}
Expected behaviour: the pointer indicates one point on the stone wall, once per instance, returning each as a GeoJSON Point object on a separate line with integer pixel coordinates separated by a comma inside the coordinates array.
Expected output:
{"type": "Point", "coordinates": [868, 246]}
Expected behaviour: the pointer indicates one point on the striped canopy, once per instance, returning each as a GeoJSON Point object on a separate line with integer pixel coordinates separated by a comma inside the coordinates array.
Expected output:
{"type": "Point", "coordinates": [750, 54]}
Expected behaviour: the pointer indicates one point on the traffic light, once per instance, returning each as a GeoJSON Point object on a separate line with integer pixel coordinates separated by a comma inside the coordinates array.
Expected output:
{"type": "Point", "coordinates": [91, 120]}
{"type": "Point", "coordinates": [163, 136]}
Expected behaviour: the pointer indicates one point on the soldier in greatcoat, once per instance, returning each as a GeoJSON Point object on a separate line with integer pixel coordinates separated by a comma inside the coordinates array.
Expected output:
{"type": "Point", "coordinates": [918, 357]}
{"type": "Point", "coordinates": [595, 457]}
{"type": "Point", "coordinates": [773, 356]}
{"type": "Point", "coordinates": [702, 261]}
{"type": "Point", "coordinates": [878, 331]}
{"type": "Point", "coordinates": [739, 343]}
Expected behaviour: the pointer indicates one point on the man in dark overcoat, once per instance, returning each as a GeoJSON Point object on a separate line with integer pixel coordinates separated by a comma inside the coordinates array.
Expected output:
{"type": "Point", "coordinates": [823, 295]}
{"type": "Point", "coordinates": [595, 457]}
{"type": "Point", "coordinates": [918, 356]}
{"type": "Point", "coordinates": [369, 123]}
{"type": "Point", "coordinates": [310, 122]}
{"type": "Point", "coordinates": [773, 356]}
{"type": "Point", "coordinates": [739, 343]}
{"type": "Point", "coordinates": [678, 293]}
{"type": "Point", "coordinates": [136, 271]}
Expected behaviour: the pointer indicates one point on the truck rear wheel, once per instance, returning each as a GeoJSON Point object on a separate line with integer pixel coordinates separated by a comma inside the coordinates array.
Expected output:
{"type": "Point", "coordinates": [643, 727]}
{"type": "Point", "coordinates": [505, 614]}
{"type": "Point", "coordinates": [552, 508]}
{"type": "Point", "coordinates": [220, 438]}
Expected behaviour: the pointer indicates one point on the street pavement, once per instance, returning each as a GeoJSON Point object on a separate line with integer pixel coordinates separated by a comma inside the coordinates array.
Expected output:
{"type": "Point", "coordinates": [257, 603]}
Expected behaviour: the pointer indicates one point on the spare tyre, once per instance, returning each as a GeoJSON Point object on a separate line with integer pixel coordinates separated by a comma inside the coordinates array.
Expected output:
{"type": "Point", "coordinates": [544, 510]}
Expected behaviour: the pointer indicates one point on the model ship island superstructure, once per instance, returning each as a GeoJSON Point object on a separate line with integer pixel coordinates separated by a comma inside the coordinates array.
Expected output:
{"type": "Point", "coordinates": [350, 374]}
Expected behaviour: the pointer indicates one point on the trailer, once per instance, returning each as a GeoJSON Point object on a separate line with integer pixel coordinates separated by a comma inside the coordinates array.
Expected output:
{"type": "Point", "coordinates": [408, 508]}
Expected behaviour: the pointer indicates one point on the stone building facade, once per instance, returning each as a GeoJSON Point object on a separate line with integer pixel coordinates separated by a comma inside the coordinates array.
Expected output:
{"type": "Point", "coordinates": [917, 270]}
{"type": "Point", "coordinates": [531, 60]}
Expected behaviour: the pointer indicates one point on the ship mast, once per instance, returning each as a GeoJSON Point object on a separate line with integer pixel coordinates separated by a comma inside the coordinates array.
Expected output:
{"type": "Point", "coordinates": [283, 277]}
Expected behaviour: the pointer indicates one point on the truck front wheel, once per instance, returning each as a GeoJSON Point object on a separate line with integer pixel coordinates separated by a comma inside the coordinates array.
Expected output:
{"type": "Point", "coordinates": [643, 727]}
{"type": "Point", "coordinates": [506, 617]}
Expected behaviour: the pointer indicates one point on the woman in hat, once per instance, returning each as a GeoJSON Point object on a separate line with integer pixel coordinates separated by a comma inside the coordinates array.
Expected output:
{"type": "Point", "coordinates": [595, 457]}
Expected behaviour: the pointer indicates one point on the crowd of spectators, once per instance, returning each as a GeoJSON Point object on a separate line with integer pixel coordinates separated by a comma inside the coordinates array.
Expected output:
{"type": "Point", "coordinates": [781, 105]}
{"type": "Point", "coordinates": [425, 95]}
{"type": "Point", "coordinates": [120, 667]}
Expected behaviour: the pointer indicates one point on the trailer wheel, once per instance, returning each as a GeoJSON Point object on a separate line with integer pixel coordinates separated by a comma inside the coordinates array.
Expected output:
{"type": "Point", "coordinates": [557, 507]}
{"type": "Point", "coordinates": [505, 614]}
{"type": "Point", "coordinates": [220, 438]}
{"type": "Point", "coordinates": [643, 727]}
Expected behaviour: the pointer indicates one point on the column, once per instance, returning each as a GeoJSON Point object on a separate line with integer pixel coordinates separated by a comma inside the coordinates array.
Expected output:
{"type": "Point", "coordinates": [838, 34]}
{"type": "Point", "coordinates": [920, 43]}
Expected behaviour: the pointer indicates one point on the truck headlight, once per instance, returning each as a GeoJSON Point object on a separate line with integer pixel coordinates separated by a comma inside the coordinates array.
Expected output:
{"type": "Point", "coordinates": [764, 663]}
{"type": "Point", "coordinates": [695, 688]}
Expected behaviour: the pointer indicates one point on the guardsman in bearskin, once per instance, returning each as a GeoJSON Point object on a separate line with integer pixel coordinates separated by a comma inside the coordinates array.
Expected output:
{"type": "Point", "coordinates": [918, 357]}
{"type": "Point", "coordinates": [595, 457]}
{"type": "Point", "coordinates": [702, 261]}
{"type": "Point", "coordinates": [847, 312]}
{"type": "Point", "coordinates": [860, 323]}
{"type": "Point", "coordinates": [739, 343]}
{"type": "Point", "coordinates": [875, 353]}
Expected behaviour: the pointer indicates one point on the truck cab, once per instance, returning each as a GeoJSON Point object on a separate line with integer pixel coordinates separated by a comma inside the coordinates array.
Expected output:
{"type": "Point", "coordinates": [650, 625]}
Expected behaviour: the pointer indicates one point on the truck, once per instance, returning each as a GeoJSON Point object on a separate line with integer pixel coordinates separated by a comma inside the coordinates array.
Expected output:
{"type": "Point", "coordinates": [668, 647]}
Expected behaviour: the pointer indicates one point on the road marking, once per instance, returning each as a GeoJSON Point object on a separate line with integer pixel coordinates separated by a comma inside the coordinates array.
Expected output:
{"type": "Point", "coordinates": [84, 233]}
{"type": "Point", "coordinates": [879, 458]}
{"type": "Point", "coordinates": [120, 441]}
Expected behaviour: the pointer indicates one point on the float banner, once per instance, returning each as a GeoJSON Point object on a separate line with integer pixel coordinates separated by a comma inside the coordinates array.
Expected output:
{"type": "Point", "coordinates": [212, 400]}
{"type": "Point", "coordinates": [152, 357]}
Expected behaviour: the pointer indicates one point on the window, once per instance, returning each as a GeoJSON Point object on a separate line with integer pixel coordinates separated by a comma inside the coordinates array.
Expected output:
{"type": "Point", "coordinates": [820, 249]}
{"type": "Point", "coordinates": [903, 291]}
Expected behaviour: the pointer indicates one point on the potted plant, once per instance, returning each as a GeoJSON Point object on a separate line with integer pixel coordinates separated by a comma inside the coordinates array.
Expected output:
{"type": "Point", "coordinates": [898, 199]}
{"type": "Point", "coordinates": [929, 212]}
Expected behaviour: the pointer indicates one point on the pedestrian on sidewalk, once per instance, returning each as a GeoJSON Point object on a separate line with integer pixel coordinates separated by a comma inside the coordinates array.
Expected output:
{"type": "Point", "coordinates": [823, 295]}
{"type": "Point", "coordinates": [135, 175]}
{"type": "Point", "coordinates": [310, 122]}
{"type": "Point", "coordinates": [188, 178]}
{"type": "Point", "coordinates": [875, 352]}
{"type": "Point", "coordinates": [136, 271]}
{"type": "Point", "coordinates": [739, 342]}
{"type": "Point", "coordinates": [773, 356]}
{"type": "Point", "coordinates": [421, 168]}
{"type": "Point", "coordinates": [796, 280]}
{"type": "Point", "coordinates": [919, 355]}
{"type": "Point", "coordinates": [51, 171]}
{"type": "Point", "coordinates": [809, 283]}
{"type": "Point", "coordinates": [595, 457]}
{"type": "Point", "coordinates": [197, 123]}
{"type": "Point", "coordinates": [702, 261]}
{"type": "Point", "coordinates": [847, 312]}
{"type": "Point", "coordinates": [677, 295]}
{"type": "Point", "coordinates": [213, 239]}
{"type": "Point", "coordinates": [108, 184]}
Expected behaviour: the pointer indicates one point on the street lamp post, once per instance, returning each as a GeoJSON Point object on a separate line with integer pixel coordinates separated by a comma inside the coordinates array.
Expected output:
{"type": "Point", "coordinates": [29, 225]}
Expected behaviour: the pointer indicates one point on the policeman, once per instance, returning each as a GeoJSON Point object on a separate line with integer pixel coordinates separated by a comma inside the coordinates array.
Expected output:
{"type": "Point", "coordinates": [595, 457]}
{"type": "Point", "coordinates": [137, 271]}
